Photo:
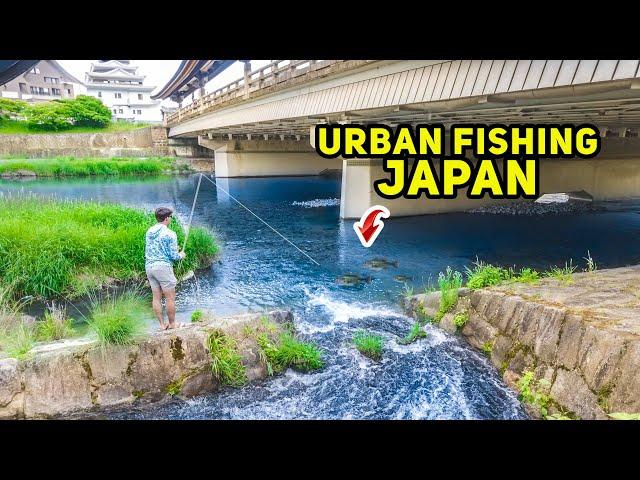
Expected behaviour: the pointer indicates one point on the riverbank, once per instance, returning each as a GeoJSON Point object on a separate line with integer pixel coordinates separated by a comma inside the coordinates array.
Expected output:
{"type": "Point", "coordinates": [53, 247]}
{"type": "Point", "coordinates": [77, 375]}
{"type": "Point", "coordinates": [570, 346]}
{"type": "Point", "coordinates": [58, 167]}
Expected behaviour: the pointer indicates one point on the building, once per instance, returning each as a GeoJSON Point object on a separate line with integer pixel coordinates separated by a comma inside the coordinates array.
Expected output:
{"type": "Point", "coordinates": [120, 87]}
{"type": "Point", "coordinates": [45, 81]}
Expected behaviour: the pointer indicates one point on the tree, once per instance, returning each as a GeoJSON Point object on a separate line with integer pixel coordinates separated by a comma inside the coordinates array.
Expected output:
{"type": "Point", "coordinates": [89, 111]}
{"type": "Point", "coordinates": [54, 115]}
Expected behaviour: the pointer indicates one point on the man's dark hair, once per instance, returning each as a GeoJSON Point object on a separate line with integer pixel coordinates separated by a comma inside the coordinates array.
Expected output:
{"type": "Point", "coordinates": [162, 213]}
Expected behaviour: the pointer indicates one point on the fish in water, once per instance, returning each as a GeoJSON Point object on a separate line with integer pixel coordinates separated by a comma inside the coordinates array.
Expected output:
{"type": "Point", "coordinates": [351, 279]}
{"type": "Point", "coordinates": [402, 278]}
{"type": "Point", "coordinates": [380, 263]}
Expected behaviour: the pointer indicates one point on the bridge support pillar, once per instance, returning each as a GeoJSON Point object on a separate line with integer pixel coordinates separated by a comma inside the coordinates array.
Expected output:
{"type": "Point", "coordinates": [613, 175]}
{"type": "Point", "coordinates": [266, 158]}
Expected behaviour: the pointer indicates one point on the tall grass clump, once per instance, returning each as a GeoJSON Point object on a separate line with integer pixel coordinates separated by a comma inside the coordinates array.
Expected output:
{"type": "Point", "coordinates": [18, 340]}
{"type": "Point", "coordinates": [286, 351]}
{"type": "Point", "coordinates": [55, 325]}
{"type": "Point", "coordinates": [369, 344]}
{"type": "Point", "coordinates": [85, 167]}
{"type": "Point", "coordinates": [51, 247]}
{"type": "Point", "coordinates": [226, 362]}
{"type": "Point", "coordinates": [484, 275]}
{"type": "Point", "coordinates": [119, 320]}
{"type": "Point", "coordinates": [449, 282]}
{"type": "Point", "coordinates": [414, 334]}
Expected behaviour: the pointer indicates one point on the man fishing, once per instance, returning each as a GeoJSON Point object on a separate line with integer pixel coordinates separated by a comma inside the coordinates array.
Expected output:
{"type": "Point", "coordinates": [161, 251]}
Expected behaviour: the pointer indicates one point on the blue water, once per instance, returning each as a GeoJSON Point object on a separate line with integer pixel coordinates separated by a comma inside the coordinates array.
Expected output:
{"type": "Point", "coordinates": [437, 377]}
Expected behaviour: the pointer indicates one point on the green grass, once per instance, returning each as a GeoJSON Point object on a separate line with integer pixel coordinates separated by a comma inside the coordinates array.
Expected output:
{"type": "Point", "coordinates": [52, 247]}
{"type": "Point", "coordinates": [54, 326]}
{"type": "Point", "coordinates": [484, 275]}
{"type": "Point", "coordinates": [369, 344]}
{"type": "Point", "coordinates": [226, 362]}
{"type": "Point", "coordinates": [527, 275]}
{"type": "Point", "coordinates": [286, 351]}
{"type": "Point", "coordinates": [18, 340]}
{"type": "Point", "coordinates": [460, 320]}
{"type": "Point", "coordinates": [487, 348]}
{"type": "Point", "coordinates": [119, 320]}
{"type": "Point", "coordinates": [562, 274]}
{"type": "Point", "coordinates": [86, 167]}
{"type": "Point", "coordinates": [414, 334]}
{"type": "Point", "coordinates": [17, 127]}
{"type": "Point", "coordinates": [196, 316]}
{"type": "Point", "coordinates": [449, 283]}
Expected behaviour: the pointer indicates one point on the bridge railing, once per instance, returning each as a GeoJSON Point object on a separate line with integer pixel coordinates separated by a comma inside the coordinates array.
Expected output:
{"type": "Point", "coordinates": [272, 74]}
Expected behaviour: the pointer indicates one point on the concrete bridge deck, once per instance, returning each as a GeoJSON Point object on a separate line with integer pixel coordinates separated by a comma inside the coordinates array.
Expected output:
{"type": "Point", "coordinates": [261, 124]}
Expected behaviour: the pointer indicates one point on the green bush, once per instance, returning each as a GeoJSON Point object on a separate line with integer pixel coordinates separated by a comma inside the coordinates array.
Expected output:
{"type": "Point", "coordinates": [119, 320]}
{"type": "Point", "coordinates": [82, 111]}
{"type": "Point", "coordinates": [54, 115]}
{"type": "Point", "coordinates": [9, 106]}
{"type": "Point", "coordinates": [369, 344]}
{"type": "Point", "coordinates": [87, 111]}
{"type": "Point", "coordinates": [532, 392]}
{"type": "Point", "coordinates": [196, 316]}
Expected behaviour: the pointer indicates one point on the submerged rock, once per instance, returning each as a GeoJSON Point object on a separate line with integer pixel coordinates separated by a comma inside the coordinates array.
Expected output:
{"type": "Point", "coordinates": [352, 279]}
{"type": "Point", "coordinates": [380, 263]}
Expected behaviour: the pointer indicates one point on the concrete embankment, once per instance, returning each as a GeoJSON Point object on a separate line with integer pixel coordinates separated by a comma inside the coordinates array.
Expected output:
{"type": "Point", "coordinates": [582, 338]}
{"type": "Point", "coordinates": [77, 375]}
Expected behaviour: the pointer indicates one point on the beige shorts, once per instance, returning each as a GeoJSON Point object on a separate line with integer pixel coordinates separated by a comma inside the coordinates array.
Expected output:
{"type": "Point", "coordinates": [161, 276]}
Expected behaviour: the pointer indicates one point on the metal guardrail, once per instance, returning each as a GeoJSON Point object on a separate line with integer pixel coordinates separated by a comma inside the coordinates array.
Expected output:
{"type": "Point", "coordinates": [272, 74]}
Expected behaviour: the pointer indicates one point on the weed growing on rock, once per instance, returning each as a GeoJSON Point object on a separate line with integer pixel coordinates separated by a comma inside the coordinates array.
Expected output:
{"type": "Point", "coordinates": [196, 316]}
{"type": "Point", "coordinates": [591, 264]}
{"type": "Point", "coordinates": [562, 274]}
{"type": "Point", "coordinates": [449, 283]}
{"type": "Point", "coordinates": [460, 320]}
{"type": "Point", "coordinates": [174, 388]}
{"type": "Point", "coordinates": [484, 275]}
{"type": "Point", "coordinates": [369, 344]}
{"type": "Point", "coordinates": [531, 392]}
{"type": "Point", "coordinates": [487, 348]}
{"type": "Point", "coordinates": [414, 334]}
{"type": "Point", "coordinates": [286, 351]}
{"type": "Point", "coordinates": [226, 362]}
{"type": "Point", "coordinates": [527, 275]}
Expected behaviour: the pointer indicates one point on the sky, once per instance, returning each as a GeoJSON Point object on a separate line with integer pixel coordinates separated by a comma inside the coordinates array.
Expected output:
{"type": "Point", "coordinates": [159, 72]}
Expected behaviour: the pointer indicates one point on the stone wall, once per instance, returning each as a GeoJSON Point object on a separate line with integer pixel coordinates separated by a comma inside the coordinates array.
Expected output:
{"type": "Point", "coordinates": [143, 142]}
{"type": "Point", "coordinates": [582, 337]}
{"type": "Point", "coordinates": [76, 375]}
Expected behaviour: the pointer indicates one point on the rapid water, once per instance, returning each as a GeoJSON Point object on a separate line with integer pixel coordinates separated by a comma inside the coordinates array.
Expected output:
{"type": "Point", "coordinates": [436, 377]}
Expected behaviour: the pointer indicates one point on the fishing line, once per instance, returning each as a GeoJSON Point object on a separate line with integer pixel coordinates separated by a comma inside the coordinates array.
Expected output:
{"type": "Point", "coordinates": [248, 210]}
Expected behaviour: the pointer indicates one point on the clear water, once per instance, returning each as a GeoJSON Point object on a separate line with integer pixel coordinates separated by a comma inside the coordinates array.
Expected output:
{"type": "Point", "coordinates": [436, 377]}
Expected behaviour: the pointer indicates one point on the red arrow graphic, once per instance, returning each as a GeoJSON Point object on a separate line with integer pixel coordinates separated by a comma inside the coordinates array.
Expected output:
{"type": "Point", "coordinates": [369, 227]}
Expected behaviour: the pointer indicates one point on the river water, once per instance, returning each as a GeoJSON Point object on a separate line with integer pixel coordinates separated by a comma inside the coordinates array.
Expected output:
{"type": "Point", "coordinates": [438, 377]}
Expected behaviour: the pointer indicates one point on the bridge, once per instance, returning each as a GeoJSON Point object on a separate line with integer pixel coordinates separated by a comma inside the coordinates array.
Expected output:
{"type": "Point", "coordinates": [262, 124]}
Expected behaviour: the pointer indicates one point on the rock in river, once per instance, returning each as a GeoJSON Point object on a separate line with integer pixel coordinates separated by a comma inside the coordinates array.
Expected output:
{"type": "Point", "coordinates": [402, 278]}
